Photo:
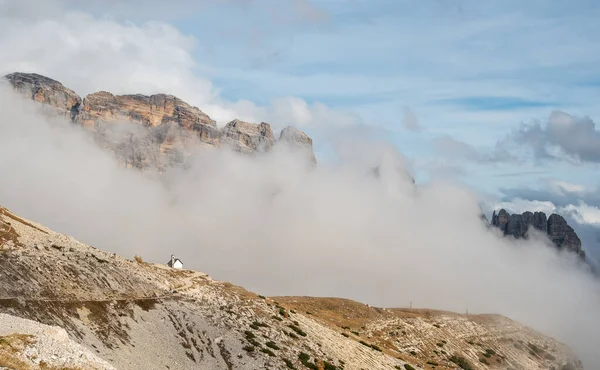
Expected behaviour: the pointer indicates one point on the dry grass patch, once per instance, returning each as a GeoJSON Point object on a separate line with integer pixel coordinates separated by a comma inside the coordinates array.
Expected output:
{"type": "Point", "coordinates": [11, 347]}
{"type": "Point", "coordinates": [12, 361]}
{"type": "Point", "coordinates": [45, 366]}
{"type": "Point", "coordinates": [335, 311]}
{"type": "Point", "coordinates": [346, 314]}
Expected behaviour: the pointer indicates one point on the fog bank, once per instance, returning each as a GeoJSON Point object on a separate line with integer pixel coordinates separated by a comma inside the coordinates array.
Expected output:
{"type": "Point", "coordinates": [274, 226]}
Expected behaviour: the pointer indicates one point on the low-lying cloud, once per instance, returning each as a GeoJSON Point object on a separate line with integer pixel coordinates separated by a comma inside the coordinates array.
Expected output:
{"type": "Point", "coordinates": [274, 226]}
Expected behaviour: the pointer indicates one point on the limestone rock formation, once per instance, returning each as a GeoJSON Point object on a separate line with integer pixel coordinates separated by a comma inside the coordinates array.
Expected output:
{"type": "Point", "coordinates": [47, 91]}
{"type": "Point", "coordinates": [517, 225]}
{"type": "Point", "coordinates": [155, 131]}
{"type": "Point", "coordinates": [247, 137]}
{"type": "Point", "coordinates": [563, 235]}
{"type": "Point", "coordinates": [298, 141]}
{"type": "Point", "coordinates": [150, 111]}
{"type": "Point", "coordinates": [555, 226]}
{"type": "Point", "coordinates": [146, 131]}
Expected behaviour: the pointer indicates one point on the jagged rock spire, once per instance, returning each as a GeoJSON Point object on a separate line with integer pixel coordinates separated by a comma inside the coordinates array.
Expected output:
{"type": "Point", "coordinates": [555, 226]}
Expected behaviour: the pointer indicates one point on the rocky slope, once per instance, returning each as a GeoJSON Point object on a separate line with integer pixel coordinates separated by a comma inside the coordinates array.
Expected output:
{"type": "Point", "coordinates": [26, 344]}
{"type": "Point", "coordinates": [130, 314]}
{"type": "Point", "coordinates": [555, 226]}
{"type": "Point", "coordinates": [154, 131]}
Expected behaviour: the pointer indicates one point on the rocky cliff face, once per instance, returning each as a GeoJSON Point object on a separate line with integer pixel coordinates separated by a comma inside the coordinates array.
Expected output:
{"type": "Point", "coordinates": [154, 131]}
{"type": "Point", "coordinates": [298, 141]}
{"type": "Point", "coordinates": [563, 235]}
{"type": "Point", "coordinates": [555, 226]}
{"type": "Point", "coordinates": [47, 91]}
{"type": "Point", "coordinates": [131, 314]}
{"type": "Point", "coordinates": [149, 111]}
{"type": "Point", "coordinates": [247, 137]}
{"type": "Point", "coordinates": [146, 131]}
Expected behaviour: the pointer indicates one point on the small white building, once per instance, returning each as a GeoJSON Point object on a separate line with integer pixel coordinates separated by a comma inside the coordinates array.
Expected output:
{"type": "Point", "coordinates": [175, 262]}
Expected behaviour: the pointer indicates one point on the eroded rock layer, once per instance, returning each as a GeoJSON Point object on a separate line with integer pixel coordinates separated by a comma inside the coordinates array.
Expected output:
{"type": "Point", "coordinates": [155, 131]}
{"type": "Point", "coordinates": [45, 90]}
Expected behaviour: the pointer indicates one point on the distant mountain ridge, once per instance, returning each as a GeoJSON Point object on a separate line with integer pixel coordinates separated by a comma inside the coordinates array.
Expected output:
{"type": "Point", "coordinates": [155, 131]}
{"type": "Point", "coordinates": [555, 227]}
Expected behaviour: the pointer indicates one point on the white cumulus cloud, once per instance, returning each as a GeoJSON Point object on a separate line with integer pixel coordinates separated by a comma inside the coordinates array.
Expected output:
{"type": "Point", "coordinates": [584, 213]}
{"type": "Point", "coordinates": [519, 205]}
{"type": "Point", "coordinates": [89, 53]}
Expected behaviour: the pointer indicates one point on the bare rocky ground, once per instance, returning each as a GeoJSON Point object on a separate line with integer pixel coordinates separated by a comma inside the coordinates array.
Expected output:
{"type": "Point", "coordinates": [26, 343]}
{"type": "Point", "coordinates": [129, 314]}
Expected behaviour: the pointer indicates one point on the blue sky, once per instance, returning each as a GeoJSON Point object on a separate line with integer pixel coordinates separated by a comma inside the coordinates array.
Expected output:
{"type": "Point", "coordinates": [450, 83]}
{"type": "Point", "coordinates": [468, 69]}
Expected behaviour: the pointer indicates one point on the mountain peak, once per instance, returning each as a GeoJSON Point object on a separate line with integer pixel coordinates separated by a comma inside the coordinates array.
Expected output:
{"type": "Point", "coordinates": [247, 137]}
{"type": "Point", "coordinates": [168, 126]}
{"type": "Point", "coordinates": [298, 141]}
{"type": "Point", "coordinates": [555, 227]}
{"type": "Point", "coordinates": [64, 101]}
